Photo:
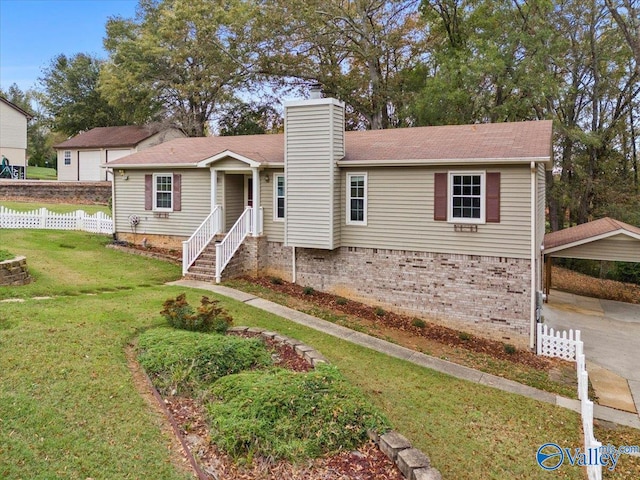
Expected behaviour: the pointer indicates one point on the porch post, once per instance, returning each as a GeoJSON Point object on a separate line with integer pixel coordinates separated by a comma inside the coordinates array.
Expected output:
{"type": "Point", "coordinates": [214, 187]}
{"type": "Point", "coordinates": [256, 203]}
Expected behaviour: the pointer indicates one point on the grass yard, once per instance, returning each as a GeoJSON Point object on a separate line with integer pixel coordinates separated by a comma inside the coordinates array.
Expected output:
{"type": "Point", "coordinates": [54, 207]}
{"type": "Point", "coordinates": [41, 173]}
{"type": "Point", "coordinates": [69, 407]}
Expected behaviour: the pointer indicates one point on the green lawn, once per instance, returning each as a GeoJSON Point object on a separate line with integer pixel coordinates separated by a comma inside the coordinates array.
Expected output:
{"type": "Point", "coordinates": [41, 173]}
{"type": "Point", "coordinates": [69, 407]}
{"type": "Point", "coordinates": [55, 207]}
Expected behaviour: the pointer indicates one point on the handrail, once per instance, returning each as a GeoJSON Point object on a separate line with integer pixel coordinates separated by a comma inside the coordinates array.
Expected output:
{"type": "Point", "coordinates": [197, 242]}
{"type": "Point", "coordinates": [228, 246]}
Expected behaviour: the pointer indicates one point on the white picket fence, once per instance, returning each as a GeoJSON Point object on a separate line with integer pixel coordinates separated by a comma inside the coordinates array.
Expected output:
{"type": "Point", "coordinates": [45, 219]}
{"type": "Point", "coordinates": [569, 347]}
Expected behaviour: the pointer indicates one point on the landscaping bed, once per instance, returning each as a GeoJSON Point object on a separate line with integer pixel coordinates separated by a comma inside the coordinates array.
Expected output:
{"type": "Point", "coordinates": [189, 398]}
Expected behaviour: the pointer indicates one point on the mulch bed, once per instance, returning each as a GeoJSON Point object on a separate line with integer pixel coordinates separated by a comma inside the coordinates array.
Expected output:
{"type": "Point", "coordinates": [365, 463]}
{"type": "Point", "coordinates": [439, 333]}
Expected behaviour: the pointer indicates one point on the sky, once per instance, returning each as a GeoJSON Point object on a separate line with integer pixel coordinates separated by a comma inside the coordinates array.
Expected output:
{"type": "Point", "coordinates": [33, 32]}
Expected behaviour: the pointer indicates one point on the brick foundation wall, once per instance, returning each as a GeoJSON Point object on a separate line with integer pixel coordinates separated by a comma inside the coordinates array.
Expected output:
{"type": "Point", "coordinates": [14, 272]}
{"type": "Point", "coordinates": [483, 295]}
{"type": "Point", "coordinates": [56, 192]}
{"type": "Point", "coordinates": [160, 241]}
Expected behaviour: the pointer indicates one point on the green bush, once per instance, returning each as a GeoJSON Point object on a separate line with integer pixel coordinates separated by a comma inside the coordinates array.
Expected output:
{"type": "Point", "coordinates": [380, 312]}
{"type": "Point", "coordinates": [209, 317]}
{"type": "Point", "coordinates": [308, 290]}
{"type": "Point", "coordinates": [510, 349]}
{"type": "Point", "coordinates": [418, 322]}
{"type": "Point", "coordinates": [276, 280]}
{"type": "Point", "coordinates": [178, 361]}
{"type": "Point", "coordinates": [341, 301]}
{"type": "Point", "coordinates": [465, 336]}
{"type": "Point", "coordinates": [290, 415]}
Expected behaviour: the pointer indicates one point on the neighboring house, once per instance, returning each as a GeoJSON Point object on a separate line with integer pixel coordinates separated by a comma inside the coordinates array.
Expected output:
{"type": "Point", "coordinates": [80, 158]}
{"type": "Point", "coordinates": [13, 134]}
{"type": "Point", "coordinates": [444, 222]}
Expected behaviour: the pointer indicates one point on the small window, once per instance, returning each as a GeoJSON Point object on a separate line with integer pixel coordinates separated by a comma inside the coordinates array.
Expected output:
{"type": "Point", "coordinates": [163, 192]}
{"type": "Point", "coordinates": [278, 207]}
{"type": "Point", "coordinates": [467, 197]}
{"type": "Point", "coordinates": [356, 198]}
{"type": "Point", "coordinates": [67, 157]}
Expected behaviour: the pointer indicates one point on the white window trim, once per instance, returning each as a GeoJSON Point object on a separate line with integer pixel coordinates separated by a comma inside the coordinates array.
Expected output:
{"type": "Point", "coordinates": [275, 197]}
{"type": "Point", "coordinates": [483, 197]}
{"type": "Point", "coordinates": [155, 192]}
{"type": "Point", "coordinates": [65, 158]}
{"type": "Point", "coordinates": [366, 199]}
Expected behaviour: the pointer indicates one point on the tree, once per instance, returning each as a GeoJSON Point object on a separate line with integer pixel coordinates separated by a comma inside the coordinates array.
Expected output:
{"type": "Point", "coordinates": [181, 59]}
{"type": "Point", "coordinates": [71, 96]}
{"type": "Point", "coordinates": [626, 14]}
{"type": "Point", "coordinates": [357, 50]}
{"type": "Point", "coordinates": [250, 119]}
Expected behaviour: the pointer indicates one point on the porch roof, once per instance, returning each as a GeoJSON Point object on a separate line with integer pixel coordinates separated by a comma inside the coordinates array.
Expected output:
{"type": "Point", "coordinates": [516, 142]}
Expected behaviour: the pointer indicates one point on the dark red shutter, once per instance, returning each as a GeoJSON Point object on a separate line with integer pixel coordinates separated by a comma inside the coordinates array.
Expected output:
{"type": "Point", "coordinates": [440, 196]}
{"type": "Point", "coordinates": [148, 192]}
{"type": "Point", "coordinates": [493, 197]}
{"type": "Point", "coordinates": [177, 192]}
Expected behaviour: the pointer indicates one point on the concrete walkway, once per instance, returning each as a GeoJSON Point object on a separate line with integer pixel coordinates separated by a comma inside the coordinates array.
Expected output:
{"type": "Point", "coordinates": [397, 351]}
{"type": "Point", "coordinates": [610, 332]}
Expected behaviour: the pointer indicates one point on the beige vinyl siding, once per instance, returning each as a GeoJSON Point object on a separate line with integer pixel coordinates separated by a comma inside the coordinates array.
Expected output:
{"type": "Point", "coordinates": [13, 135]}
{"type": "Point", "coordinates": [338, 154]}
{"type": "Point", "coordinates": [619, 247]}
{"type": "Point", "coordinates": [233, 199]}
{"type": "Point", "coordinates": [129, 200]}
{"type": "Point", "coordinates": [541, 180]}
{"type": "Point", "coordinates": [400, 215]}
{"type": "Point", "coordinates": [312, 176]}
{"type": "Point", "coordinates": [231, 164]}
{"type": "Point", "coordinates": [158, 138]}
{"type": "Point", "coordinates": [68, 173]}
{"type": "Point", "coordinates": [274, 230]}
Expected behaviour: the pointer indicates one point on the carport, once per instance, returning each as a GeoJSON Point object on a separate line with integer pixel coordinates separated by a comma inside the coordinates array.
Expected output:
{"type": "Point", "coordinates": [604, 239]}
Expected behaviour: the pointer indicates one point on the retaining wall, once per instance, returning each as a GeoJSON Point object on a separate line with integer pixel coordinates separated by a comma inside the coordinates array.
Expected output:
{"type": "Point", "coordinates": [14, 272]}
{"type": "Point", "coordinates": [56, 192]}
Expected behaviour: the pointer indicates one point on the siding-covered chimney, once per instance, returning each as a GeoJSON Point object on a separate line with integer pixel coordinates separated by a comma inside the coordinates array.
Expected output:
{"type": "Point", "coordinates": [314, 142]}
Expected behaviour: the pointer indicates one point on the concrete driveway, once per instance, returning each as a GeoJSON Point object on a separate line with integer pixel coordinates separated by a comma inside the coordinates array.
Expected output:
{"type": "Point", "coordinates": [611, 335]}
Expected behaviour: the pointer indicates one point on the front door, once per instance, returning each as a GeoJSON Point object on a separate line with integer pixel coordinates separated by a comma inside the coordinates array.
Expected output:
{"type": "Point", "coordinates": [249, 190]}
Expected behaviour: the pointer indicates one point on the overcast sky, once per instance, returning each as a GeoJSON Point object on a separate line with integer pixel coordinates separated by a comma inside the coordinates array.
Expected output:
{"type": "Point", "coordinates": [33, 32]}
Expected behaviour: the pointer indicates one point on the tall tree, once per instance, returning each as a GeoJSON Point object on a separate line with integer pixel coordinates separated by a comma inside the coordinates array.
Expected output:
{"type": "Point", "coordinates": [357, 50]}
{"type": "Point", "coordinates": [250, 119]}
{"type": "Point", "coordinates": [72, 99]}
{"type": "Point", "coordinates": [181, 59]}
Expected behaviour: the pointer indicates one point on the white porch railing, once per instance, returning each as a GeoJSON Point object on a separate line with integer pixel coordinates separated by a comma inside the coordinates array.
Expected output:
{"type": "Point", "coordinates": [45, 219]}
{"type": "Point", "coordinates": [570, 347]}
{"type": "Point", "coordinates": [227, 247]}
{"type": "Point", "coordinates": [193, 247]}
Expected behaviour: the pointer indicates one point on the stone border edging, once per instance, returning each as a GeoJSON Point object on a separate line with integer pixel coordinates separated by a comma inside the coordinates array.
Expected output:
{"type": "Point", "coordinates": [14, 272]}
{"type": "Point", "coordinates": [412, 463]}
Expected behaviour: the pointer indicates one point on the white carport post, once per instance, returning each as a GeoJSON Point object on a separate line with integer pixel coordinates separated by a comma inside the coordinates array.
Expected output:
{"type": "Point", "coordinates": [256, 202]}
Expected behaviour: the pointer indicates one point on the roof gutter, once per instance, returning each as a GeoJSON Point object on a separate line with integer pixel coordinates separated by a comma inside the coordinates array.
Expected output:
{"type": "Point", "coordinates": [440, 161]}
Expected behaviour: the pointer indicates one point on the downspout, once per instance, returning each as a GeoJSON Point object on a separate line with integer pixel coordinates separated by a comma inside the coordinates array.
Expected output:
{"type": "Point", "coordinates": [534, 250]}
{"type": "Point", "coordinates": [113, 205]}
{"type": "Point", "coordinates": [293, 264]}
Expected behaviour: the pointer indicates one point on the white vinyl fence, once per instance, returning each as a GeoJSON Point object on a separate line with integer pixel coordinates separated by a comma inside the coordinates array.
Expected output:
{"type": "Point", "coordinates": [570, 347]}
{"type": "Point", "coordinates": [45, 219]}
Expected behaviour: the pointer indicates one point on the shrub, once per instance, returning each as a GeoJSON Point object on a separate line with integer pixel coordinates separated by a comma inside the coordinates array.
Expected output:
{"type": "Point", "coordinates": [290, 415]}
{"type": "Point", "coordinates": [341, 301]}
{"type": "Point", "coordinates": [178, 361]}
{"type": "Point", "coordinates": [510, 349]}
{"type": "Point", "coordinates": [209, 317]}
{"type": "Point", "coordinates": [465, 336]}
{"type": "Point", "coordinates": [418, 322]}
{"type": "Point", "coordinates": [380, 312]}
{"type": "Point", "coordinates": [308, 290]}
{"type": "Point", "coordinates": [276, 280]}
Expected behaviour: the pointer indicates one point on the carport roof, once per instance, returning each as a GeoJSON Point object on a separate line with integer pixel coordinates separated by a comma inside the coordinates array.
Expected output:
{"type": "Point", "coordinates": [599, 233]}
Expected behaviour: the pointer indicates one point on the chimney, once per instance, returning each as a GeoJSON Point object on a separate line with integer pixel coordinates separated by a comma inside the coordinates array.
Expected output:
{"type": "Point", "coordinates": [315, 91]}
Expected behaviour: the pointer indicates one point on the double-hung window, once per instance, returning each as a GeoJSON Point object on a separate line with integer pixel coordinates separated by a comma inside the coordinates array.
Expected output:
{"type": "Point", "coordinates": [467, 197]}
{"type": "Point", "coordinates": [356, 198]}
{"type": "Point", "coordinates": [67, 157]}
{"type": "Point", "coordinates": [163, 192]}
{"type": "Point", "coordinates": [278, 207]}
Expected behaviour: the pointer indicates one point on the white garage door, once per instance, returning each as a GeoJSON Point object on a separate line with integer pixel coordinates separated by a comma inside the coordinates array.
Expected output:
{"type": "Point", "coordinates": [90, 170]}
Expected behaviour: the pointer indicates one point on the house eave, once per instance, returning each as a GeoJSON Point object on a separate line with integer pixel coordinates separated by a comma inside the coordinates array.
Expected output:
{"type": "Point", "coordinates": [583, 241]}
{"type": "Point", "coordinates": [147, 166]}
{"type": "Point", "coordinates": [411, 162]}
